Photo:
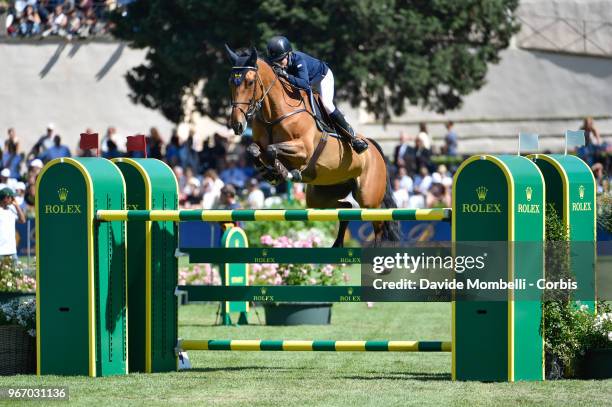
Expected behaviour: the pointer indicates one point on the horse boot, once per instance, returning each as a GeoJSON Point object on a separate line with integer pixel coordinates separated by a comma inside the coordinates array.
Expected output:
{"type": "Point", "coordinates": [358, 144]}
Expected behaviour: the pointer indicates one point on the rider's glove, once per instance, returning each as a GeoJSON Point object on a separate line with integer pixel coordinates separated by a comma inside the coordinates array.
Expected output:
{"type": "Point", "coordinates": [280, 71]}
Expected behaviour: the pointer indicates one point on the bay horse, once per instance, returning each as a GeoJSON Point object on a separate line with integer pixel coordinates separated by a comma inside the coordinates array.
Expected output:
{"type": "Point", "coordinates": [288, 144]}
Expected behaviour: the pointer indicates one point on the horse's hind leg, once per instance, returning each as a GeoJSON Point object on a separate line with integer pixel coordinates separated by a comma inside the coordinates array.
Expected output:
{"type": "Point", "coordinates": [329, 196]}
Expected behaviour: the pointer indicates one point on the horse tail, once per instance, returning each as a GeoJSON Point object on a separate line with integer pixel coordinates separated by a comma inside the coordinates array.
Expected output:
{"type": "Point", "coordinates": [391, 229]}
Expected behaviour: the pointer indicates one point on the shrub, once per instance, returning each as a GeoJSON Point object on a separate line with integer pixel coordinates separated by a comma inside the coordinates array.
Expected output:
{"type": "Point", "coordinates": [19, 312]}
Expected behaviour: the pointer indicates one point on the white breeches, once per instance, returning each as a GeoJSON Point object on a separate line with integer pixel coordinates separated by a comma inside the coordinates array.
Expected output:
{"type": "Point", "coordinates": [326, 90]}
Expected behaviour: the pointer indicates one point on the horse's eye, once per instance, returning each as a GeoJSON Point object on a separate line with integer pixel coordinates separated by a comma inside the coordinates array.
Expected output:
{"type": "Point", "coordinates": [250, 83]}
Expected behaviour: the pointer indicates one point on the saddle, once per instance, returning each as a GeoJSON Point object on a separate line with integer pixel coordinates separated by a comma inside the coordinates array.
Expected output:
{"type": "Point", "coordinates": [322, 119]}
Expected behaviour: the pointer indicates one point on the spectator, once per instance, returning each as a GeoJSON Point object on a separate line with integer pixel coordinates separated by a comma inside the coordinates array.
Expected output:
{"type": "Point", "coordinates": [11, 140]}
{"type": "Point", "coordinates": [172, 151]}
{"type": "Point", "coordinates": [450, 139]}
{"type": "Point", "coordinates": [88, 23]}
{"type": "Point", "coordinates": [438, 196]}
{"type": "Point", "coordinates": [33, 170]}
{"type": "Point", "coordinates": [405, 180]}
{"type": "Point", "coordinates": [74, 24]}
{"type": "Point", "coordinates": [155, 144]}
{"type": "Point", "coordinates": [11, 160]}
{"type": "Point", "coordinates": [57, 22]}
{"type": "Point", "coordinates": [192, 191]}
{"type": "Point", "coordinates": [591, 133]}
{"type": "Point", "coordinates": [180, 177]}
{"type": "Point", "coordinates": [187, 154]}
{"type": "Point", "coordinates": [421, 155]}
{"type": "Point", "coordinates": [219, 151]}
{"type": "Point", "coordinates": [249, 171]}
{"type": "Point", "coordinates": [233, 174]}
{"type": "Point", "coordinates": [5, 178]}
{"type": "Point", "coordinates": [228, 198]}
{"type": "Point", "coordinates": [44, 142]}
{"type": "Point", "coordinates": [445, 178]}
{"type": "Point", "coordinates": [57, 151]}
{"type": "Point", "coordinates": [9, 213]}
{"type": "Point", "coordinates": [118, 141]}
{"type": "Point", "coordinates": [422, 181]}
{"type": "Point", "coordinates": [255, 197]}
{"type": "Point", "coordinates": [592, 140]}
{"type": "Point", "coordinates": [400, 195]}
{"type": "Point", "coordinates": [210, 194]}
{"type": "Point", "coordinates": [20, 189]}
{"type": "Point", "coordinates": [30, 22]}
{"type": "Point", "coordinates": [403, 150]}
{"type": "Point", "coordinates": [424, 136]}
{"type": "Point", "coordinates": [598, 174]}
{"type": "Point", "coordinates": [113, 150]}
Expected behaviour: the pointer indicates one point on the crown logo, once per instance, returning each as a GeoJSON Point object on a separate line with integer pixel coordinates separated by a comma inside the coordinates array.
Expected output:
{"type": "Point", "coordinates": [63, 194]}
{"type": "Point", "coordinates": [528, 192]}
{"type": "Point", "coordinates": [350, 291]}
{"type": "Point", "coordinates": [350, 253]}
{"type": "Point", "coordinates": [264, 291]}
{"type": "Point", "coordinates": [264, 253]}
{"type": "Point", "coordinates": [482, 193]}
{"type": "Point", "coordinates": [581, 191]}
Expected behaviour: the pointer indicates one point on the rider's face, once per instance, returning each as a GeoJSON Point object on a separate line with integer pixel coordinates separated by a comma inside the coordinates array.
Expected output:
{"type": "Point", "coordinates": [284, 62]}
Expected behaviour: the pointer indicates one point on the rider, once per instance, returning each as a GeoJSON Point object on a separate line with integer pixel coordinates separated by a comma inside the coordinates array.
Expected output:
{"type": "Point", "coordinates": [304, 71]}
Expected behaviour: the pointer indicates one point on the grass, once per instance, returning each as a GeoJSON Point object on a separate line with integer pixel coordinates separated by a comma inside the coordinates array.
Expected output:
{"type": "Point", "coordinates": [320, 378]}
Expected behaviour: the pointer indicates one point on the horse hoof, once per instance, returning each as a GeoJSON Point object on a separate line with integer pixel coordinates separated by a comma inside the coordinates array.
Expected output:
{"type": "Point", "coordinates": [295, 176]}
{"type": "Point", "coordinates": [254, 150]}
{"type": "Point", "coordinates": [271, 153]}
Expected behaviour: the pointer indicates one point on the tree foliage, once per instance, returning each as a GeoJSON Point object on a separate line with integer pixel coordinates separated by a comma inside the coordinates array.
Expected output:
{"type": "Point", "coordinates": [385, 53]}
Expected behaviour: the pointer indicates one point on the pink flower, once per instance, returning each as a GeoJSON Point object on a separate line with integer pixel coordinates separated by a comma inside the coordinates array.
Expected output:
{"type": "Point", "coordinates": [345, 277]}
{"type": "Point", "coordinates": [312, 281]}
{"type": "Point", "coordinates": [267, 240]}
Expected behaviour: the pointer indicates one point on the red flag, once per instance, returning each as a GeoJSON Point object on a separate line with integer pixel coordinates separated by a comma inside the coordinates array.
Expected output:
{"type": "Point", "coordinates": [89, 141]}
{"type": "Point", "coordinates": [137, 143]}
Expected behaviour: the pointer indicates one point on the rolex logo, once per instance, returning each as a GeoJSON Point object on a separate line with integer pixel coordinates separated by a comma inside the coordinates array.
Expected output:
{"type": "Point", "coordinates": [350, 291]}
{"type": "Point", "coordinates": [264, 253]}
{"type": "Point", "coordinates": [63, 194]}
{"type": "Point", "coordinates": [481, 192]}
{"type": "Point", "coordinates": [528, 193]}
{"type": "Point", "coordinates": [581, 191]}
{"type": "Point", "coordinates": [264, 291]}
{"type": "Point", "coordinates": [350, 253]}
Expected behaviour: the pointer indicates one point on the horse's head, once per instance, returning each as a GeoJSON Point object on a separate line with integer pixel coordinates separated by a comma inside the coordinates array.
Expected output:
{"type": "Point", "coordinates": [243, 87]}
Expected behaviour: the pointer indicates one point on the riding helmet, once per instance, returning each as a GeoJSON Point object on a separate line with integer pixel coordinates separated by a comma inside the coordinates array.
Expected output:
{"type": "Point", "coordinates": [278, 48]}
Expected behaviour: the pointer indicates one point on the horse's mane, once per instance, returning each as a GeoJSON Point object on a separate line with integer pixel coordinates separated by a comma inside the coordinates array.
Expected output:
{"type": "Point", "coordinates": [289, 87]}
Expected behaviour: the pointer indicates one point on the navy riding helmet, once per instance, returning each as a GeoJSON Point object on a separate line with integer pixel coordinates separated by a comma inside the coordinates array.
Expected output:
{"type": "Point", "coordinates": [278, 48]}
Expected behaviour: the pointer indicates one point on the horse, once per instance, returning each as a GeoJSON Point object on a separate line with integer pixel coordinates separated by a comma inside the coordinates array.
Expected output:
{"type": "Point", "coordinates": [284, 127]}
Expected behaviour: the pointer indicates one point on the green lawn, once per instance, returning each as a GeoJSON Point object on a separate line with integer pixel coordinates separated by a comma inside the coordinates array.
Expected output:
{"type": "Point", "coordinates": [311, 378]}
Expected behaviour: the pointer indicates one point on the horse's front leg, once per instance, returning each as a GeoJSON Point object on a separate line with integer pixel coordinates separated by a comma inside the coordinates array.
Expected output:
{"type": "Point", "coordinates": [287, 158]}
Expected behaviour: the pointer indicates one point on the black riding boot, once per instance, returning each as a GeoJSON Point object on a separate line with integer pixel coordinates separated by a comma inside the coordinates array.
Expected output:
{"type": "Point", "coordinates": [358, 144]}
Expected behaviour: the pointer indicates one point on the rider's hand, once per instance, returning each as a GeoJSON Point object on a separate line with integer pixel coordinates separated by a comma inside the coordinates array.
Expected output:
{"type": "Point", "coordinates": [280, 71]}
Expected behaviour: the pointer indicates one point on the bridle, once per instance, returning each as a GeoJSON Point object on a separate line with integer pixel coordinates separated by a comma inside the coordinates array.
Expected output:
{"type": "Point", "coordinates": [254, 106]}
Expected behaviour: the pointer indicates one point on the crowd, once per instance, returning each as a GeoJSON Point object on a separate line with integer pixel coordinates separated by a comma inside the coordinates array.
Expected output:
{"type": "Point", "coordinates": [64, 18]}
{"type": "Point", "coordinates": [218, 173]}
{"type": "Point", "coordinates": [417, 182]}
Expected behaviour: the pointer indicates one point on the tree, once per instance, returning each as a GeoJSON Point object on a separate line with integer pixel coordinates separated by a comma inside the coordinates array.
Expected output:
{"type": "Point", "coordinates": [385, 53]}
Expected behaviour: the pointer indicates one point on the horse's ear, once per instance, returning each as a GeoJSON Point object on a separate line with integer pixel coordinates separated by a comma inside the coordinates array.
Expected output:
{"type": "Point", "coordinates": [231, 55]}
{"type": "Point", "coordinates": [252, 61]}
